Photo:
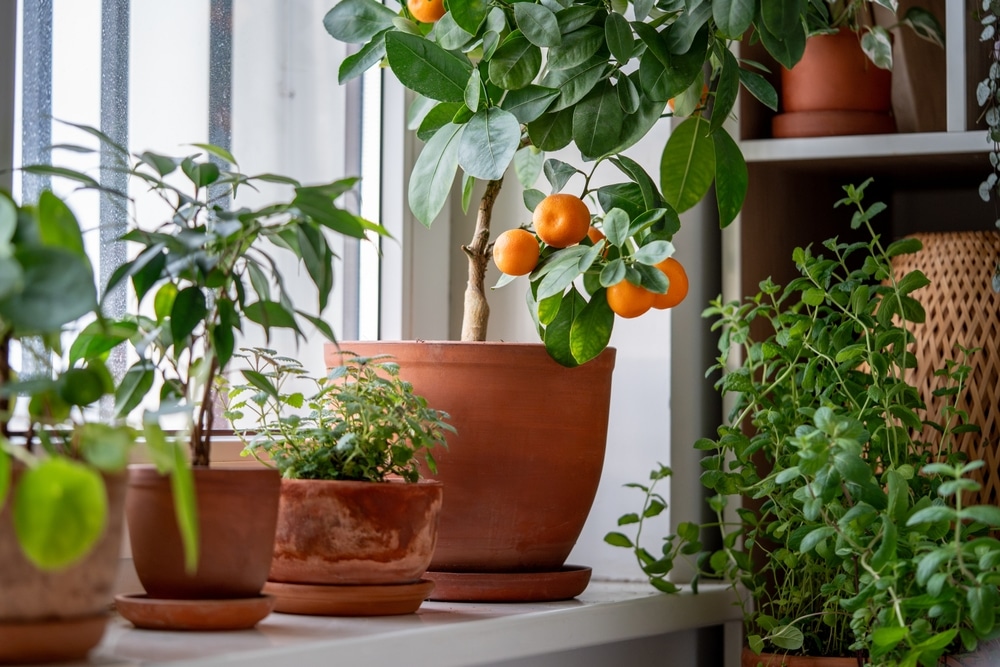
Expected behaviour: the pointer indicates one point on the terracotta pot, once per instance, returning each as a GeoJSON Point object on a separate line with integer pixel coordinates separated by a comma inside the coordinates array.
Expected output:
{"type": "Point", "coordinates": [834, 89]}
{"type": "Point", "coordinates": [751, 659]}
{"type": "Point", "coordinates": [523, 469]}
{"type": "Point", "coordinates": [334, 532]}
{"type": "Point", "coordinates": [52, 616]}
{"type": "Point", "coordinates": [237, 514]}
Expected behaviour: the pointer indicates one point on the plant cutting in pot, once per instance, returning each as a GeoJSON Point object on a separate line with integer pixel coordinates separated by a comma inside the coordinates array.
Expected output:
{"type": "Point", "coordinates": [842, 82]}
{"type": "Point", "coordinates": [861, 542]}
{"type": "Point", "coordinates": [200, 275]}
{"type": "Point", "coordinates": [356, 524]}
{"type": "Point", "coordinates": [61, 484]}
{"type": "Point", "coordinates": [499, 84]}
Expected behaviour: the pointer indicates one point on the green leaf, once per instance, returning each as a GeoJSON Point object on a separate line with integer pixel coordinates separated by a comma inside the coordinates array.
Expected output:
{"type": "Point", "coordinates": [357, 21]}
{"type": "Point", "coordinates": [733, 17]}
{"type": "Point", "coordinates": [904, 246]}
{"type": "Point", "coordinates": [185, 509]}
{"type": "Point", "coordinates": [488, 143]}
{"type": "Point", "coordinates": [687, 166]}
{"type": "Point", "coordinates": [558, 173]}
{"type": "Point", "coordinates": [57, 224]}
{"type": "Point", "coordinates": [515, 63]}
{"type": "Point", "coordinates": [469, 14]}
{"type": "Point", "coordinates": [732, 177]}
{"type": "Point", "coordinates": [787, 48]}
{"type": "Point", "coordinates": [81, 386]}
{"type": "Point", "coordinates": [270, 314]}
{"type": "Point", "coordinates": [8, 223]}
{"type": "Point", "coordinates": [529, 102]}
{"type": "Point", "coordinates": [433, 173]}
{"type": "Point", "coordinates": [877, 45]}
{"type": "Point", "coordinates": [60, 510]}
{"type": "Point", "coordinates": [201, 174]}
{"type": "Point", "coordinates": [618, 36]}
{"type": "Point", "coordinates": [618, 540]}
{"type": "Point", "coordinates": [726, 90]}
{"type": "Point", "coordinates": [426, 68]}
{"type": "Point", "coordinates": [557, 333]}
{"type": "Point", "coordinates": [814, 537]}
{"type": "Point", "coordinates": [552, 131]}
{"type": "Point", "coordinates": [988, 514]}
{"type": "Point", "coordinates": [473, 90]}
{"type": "Point", "coordinates": [913, 281]}
{"type": "Point", "coordinates": [189, 310]}
{"type": "Point", "coordinates": [787, 637]}
{"type": "Point", "coordinates": [889, 637]}
{"type": "Point", "coordinates": [106, 447]}
{"type": "Point", "coordinates": [134, 386]}
{"type": "Point", "coordinates": [367, 57]}
{"type": "Point", "coordinates": [574, 84]}
{"type": "Point", "coordinates": [561, 269]}
{"type": "Point", "coordinates": [760, 88]}
{"type": "Point", "coordinates": [49, 299]}
{"type": "Point", "coordinates": [537, 23]}
{"type": "Point", "coordinates": [449, 35]}
{"type": "Point", "coordinates": [597, 121]}
{"type": "Point", "coordinates": [924, 25]}
{"type": "Point", "coordinates": [576, 48]}
{"type": "Point", "coordinates": [590, 332]}
{"type": "Point", "coordinates": [931, 514]}
{"type": "Point", "coordinates": [528, 165]}
{"type": "Point", "coordinates": [781, 16]}
{"type": "Point", "coordinates": [261, 382]}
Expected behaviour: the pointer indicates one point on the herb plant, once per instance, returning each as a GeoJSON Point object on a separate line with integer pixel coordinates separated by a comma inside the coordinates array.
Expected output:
{"type": "Point", "coordinates": [361, 422]}
{"type": "Point", "coordinates": [864, 541]}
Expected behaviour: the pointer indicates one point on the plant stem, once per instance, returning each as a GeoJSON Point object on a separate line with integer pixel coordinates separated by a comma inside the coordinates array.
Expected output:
{"type": "Point", "coordinates": [477, 310]}
{"type": "Point", "coordinates": [4, 380]}
{"type": "Point", "coordinates": [201, 433]}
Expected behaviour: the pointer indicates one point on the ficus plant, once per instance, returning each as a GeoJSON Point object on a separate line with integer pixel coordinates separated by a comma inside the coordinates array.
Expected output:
{"type": "Point", "coordinates": [361, 422]}
{"type": "Point", "coordinates": [501, 83]}
{"type": "Point", "coordinates": [58, 504]}
{"type": "Point", "coordinates": [201, 274]}
{"type": "Point", "coordinates": [863, 540]}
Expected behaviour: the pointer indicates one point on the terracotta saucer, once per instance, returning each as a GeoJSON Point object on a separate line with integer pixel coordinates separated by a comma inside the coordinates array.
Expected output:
{"type": "Point", "coordinates": [562, 584]}
{"type": "Point", "coordinates": [60, 640]}
{"type": "Point", "coordinates": [360, 600]}
{"type": "Point", "coordinates": [831, 123]}
{"type": "Point", "coordinates": [156, 614]}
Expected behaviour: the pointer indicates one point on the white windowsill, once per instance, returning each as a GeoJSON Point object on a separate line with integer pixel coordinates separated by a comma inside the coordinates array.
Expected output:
{"type": "Point", "coordinates": [439, 634]}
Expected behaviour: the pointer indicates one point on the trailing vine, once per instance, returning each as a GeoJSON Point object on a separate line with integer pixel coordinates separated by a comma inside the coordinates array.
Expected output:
{"type": "Point", "coordinates": [988, 97]}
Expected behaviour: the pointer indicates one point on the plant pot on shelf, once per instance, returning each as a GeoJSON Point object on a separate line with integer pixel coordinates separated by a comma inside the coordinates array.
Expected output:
{"type": "Point", "coordinates": [751, 659]}
{"type": "Point", "coordinates": [962, 309]}
{"type": "Point", "coordinates": [346, 548]}
{"type": "Point", "coordinates": [522, 470]}
{"type": "Point", "coordinates": [834, 90]}
{"type": "Point", "coordinates": [237, 513]}
{"type": "Point", "coordinates": [50, 616]}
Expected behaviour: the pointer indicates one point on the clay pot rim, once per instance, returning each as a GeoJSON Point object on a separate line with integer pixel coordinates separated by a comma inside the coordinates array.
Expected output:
{"type": "Point", "coordinates": [389, 483]}
{"type": "Point", "coordinates": [147, 474]}
{"type": "Point", "coordinates": [471, 351]}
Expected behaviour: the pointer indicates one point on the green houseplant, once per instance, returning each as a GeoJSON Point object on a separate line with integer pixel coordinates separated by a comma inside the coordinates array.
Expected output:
{"type": "Point", "coordinates": [202, 274]}
{"type": "Point", "coordinates": [61, 483]}
{"type": "Point", "coordinates": [353, 511]}
{"type": "Point", "coordinates": [861, 541]}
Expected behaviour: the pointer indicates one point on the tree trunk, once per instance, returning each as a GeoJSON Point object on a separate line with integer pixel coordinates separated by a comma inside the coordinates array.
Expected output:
{"type": "Point", "coordinates": [477, 311]}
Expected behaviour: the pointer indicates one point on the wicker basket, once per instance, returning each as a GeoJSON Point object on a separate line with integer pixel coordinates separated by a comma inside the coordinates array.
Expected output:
{"type": "Point", "coordinates": [962, 309]}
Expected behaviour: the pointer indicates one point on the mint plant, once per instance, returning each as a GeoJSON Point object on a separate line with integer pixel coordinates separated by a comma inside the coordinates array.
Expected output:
{"type": "Point", "coordinates": [863, 541]}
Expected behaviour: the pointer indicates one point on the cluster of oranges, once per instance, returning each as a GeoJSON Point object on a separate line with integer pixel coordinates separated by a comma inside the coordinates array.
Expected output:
{"type": "Point", "coordinates": [563, 220]}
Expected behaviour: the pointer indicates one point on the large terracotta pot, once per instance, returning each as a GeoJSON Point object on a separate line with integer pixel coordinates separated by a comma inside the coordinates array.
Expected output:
{"type": "Point", "coordinates": [237, 515]}
{"type": "Point", "coordinates": [833, 90]}
{"type": "Point", "coordinates": [751, 659]}
{"type": "Point", "coordinates": [523, 469]}
{"type": "Point", "coordinates": [334, 532]}
{"type": "Point", "coordinates": [58, 615]}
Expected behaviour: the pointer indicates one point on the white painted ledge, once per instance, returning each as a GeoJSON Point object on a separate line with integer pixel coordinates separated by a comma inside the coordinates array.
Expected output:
{"type": "Point", "coordinates": [441, 634]}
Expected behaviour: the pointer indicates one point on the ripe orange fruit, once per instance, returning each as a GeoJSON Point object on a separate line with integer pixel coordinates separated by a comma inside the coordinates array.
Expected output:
{"type": "Point", "coordinates": [515, 252]}
{"type": "Point", "coordinates": [561, 220]}
{"type": "Point", "coordinates": [595, 235]}
{"type": "Point", "coordinates": [629, 300]}
{"type": "Point", "coordinates": [426, 11]}
{"type": "Point", "coordinates": [678, 289]}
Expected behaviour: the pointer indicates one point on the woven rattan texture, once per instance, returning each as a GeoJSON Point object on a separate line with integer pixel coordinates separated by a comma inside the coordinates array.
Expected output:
{"type": "Point", "coordinates": [962, 309]}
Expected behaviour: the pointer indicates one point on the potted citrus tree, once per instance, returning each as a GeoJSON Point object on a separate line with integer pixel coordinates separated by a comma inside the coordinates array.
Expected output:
{"type": "Point", "coordinates": [861, 544]}
{"type": "Point", "coordinates": [498, 84]}
{"type": "Point", "coordinates": [202, 273]}
{"type": "Point", "coordinates": [62, 482]}
{"type": "Point", "coordinates": [356, 524]}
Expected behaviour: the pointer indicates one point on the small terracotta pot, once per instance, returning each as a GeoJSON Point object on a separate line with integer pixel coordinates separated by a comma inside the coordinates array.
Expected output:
{"type": "Point", "coordinates": [335, 532]}
{"type": "Point", "coordinates": [237, 514]}
{"type": "Point", "coordinates": [834, 89]}
{"type": "Point", "coordinates": [523, 469]}
{"type": "Point", "coordinates": [58, 615]}
{"type": "Point", "coordinates": [751, 659]}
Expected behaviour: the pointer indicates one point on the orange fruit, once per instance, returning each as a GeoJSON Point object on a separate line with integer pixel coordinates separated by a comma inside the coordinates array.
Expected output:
{"type": "Point", "coordinates": [678, 289]}
{"type": "Point", "coordinates": [561, 220]}
{"type": "Point", "coordinates": [515, 252]}
{"type": "Point", "coordinates": [426, 11]}
{"type": "Point", "coordinates": [629, 300]}
{"type": "Point", "coordinates": [701, 102]}
{"type": "Point", "coordinates": [595, 235]}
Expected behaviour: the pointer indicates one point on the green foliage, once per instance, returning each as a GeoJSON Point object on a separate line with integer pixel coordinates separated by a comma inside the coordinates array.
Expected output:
{"type": "Point", "coordinates": [361, 422]}
{"type": "Point", "coordinates": [863, 540]}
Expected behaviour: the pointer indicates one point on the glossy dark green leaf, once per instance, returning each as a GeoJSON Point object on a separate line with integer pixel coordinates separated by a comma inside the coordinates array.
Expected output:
{"type": "Point", "coordinates": [760, 88]}
{"type": "Point", "coordinates": [682, 35]}
{"type": "Point", "coordinates": [357, 21]}
{"type": "Point", "coordinates": [469, 14]}
{"type": "Point", "coordinates": [552, 131]}
{"type": "Point", "coordinates": [574, 84]}
{"type": "Point", "coordinates": [651, 197]}
{"type": "Point", "coordinates": [188, 311]}
{"type": "Point", "coordinates": [269, 314]}
{"type": "Point", "coordinates": [60, 510]}
{"type": "Point", "coordinates": [628, 95]}
{"type": "Point", "coordinates": [449, 35]}
{"type": "Point", "coordinates": [618, 36]}
{"type": "Point", "coordinates": [558, 173]}
{"type": "Point", "coordinates": [473, 91]}
{"type": "Point", "coordinates": [439, 116]}
{"type": "Point", "coordinates": [426, 68]}
{"type": "Point", "coordinates": [557, 333]}
{"type": "Point", "coordinates": [367, 57]}
{"type": "Point", "coordinates": [515, 63]}
{"type": "Point", "coordinates": [688, 165]}
{"type": "Point", "coordinates": [733, 17]}
{"type": "Point", "coordinates": [781, 17]}
{"type": "Point", "coordinates": [528, 165]}
{"type": "Point", "coordinates": [434, 172]}
{"type": "Point", "coordinates": [590, 332]}
{"type": "Point", "coordinates": [731, 176]}
{"type": "Point", "coordinates": [201, 174]}
{"type": "Point", "coordinates": [788, 48]}
{"type": "Point", "coordinates": [135, 384]}
{"type": "Point", "coordinates": [626, 196]}
{"type": "Point", "coordinates": [58, 226]}
{"type": "Point", "coordinates": [488, 143]}
{"type": "Point", "coordinates": [49, 299]}
{"type": "Point", "coordinates": [597, 121]}
{"type": "Point", "coordinates": [726, 90]}
{"type": "Point", "coordinates": [577, 48]}
{"type": "Point", "coordinates": [529, 102]}
{"type": "Point", "coordinates": [537, 23]}
{"type": "Point", "coordinates": [574, 17]}
{"type": "Point", "coordinates": [637, 125]}
{"type": "Point", "coordinates": [80, 386]}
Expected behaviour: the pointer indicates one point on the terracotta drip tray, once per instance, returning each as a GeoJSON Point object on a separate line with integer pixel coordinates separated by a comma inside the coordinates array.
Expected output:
{"type": "Point", "coordinates": [360, 600]}
{"type": "Point", "coordinates": [831, 123]}
{"type": "Point", "coordinates": [156, 614]}
{"type": "Point", "coordinates": [562, 584]}
{"type": "Point", "coordinates": [54, 640]}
